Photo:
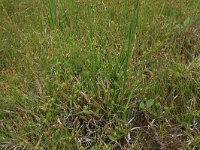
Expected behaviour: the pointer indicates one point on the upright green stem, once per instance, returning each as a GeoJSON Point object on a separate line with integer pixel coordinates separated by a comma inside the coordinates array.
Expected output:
{"type": "Point", "coordinates": [131, 35]}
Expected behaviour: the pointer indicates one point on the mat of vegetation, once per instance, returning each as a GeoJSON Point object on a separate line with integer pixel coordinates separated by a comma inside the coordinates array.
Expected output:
{"type": "Point", "coordinates": [100, 74]}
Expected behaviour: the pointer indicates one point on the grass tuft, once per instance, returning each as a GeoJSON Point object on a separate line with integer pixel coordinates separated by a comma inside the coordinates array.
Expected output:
{"type": "Point", "coordinates": [95, 74]}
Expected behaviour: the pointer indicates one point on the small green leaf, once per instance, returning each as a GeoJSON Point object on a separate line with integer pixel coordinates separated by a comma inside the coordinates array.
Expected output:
{"type": "Point", "coordinates": [186, 22]}
{"type": "Point", "coordinates": [112, 138]}
{"type": "Point", "coordinates": [141, 106]}
{"type": "Point", "coordinates": [149, 103]}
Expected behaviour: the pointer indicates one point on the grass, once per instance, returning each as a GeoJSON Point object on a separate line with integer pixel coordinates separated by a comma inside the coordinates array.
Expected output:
{"type": "Point", "coordinates": [99, 74]}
